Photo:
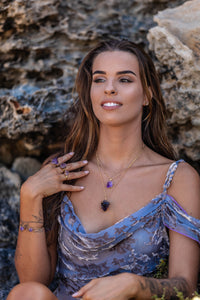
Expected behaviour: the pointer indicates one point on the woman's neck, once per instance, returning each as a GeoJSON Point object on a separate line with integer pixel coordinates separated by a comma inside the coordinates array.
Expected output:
{"type": "Point", "coordinates": [117, 146]}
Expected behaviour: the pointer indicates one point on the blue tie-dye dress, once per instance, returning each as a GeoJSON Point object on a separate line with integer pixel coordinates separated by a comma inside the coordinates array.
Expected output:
{"type": "Point", "coordinates": [135, 244]}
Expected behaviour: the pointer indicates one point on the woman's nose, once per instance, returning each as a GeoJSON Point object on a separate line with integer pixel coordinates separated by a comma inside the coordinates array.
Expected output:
{"type": "Point", "coordinates": [110, 89]}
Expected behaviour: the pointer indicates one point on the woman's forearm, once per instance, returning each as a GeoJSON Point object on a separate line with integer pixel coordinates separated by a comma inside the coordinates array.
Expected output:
{"type": "Point", "coordinates": [149, 287]}
{"type": "Point", "coordinates": [31, 257]}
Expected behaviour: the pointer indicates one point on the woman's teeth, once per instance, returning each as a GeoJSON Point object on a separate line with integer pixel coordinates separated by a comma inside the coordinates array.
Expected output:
{"type": "Point", "coordinates": [110, 104]}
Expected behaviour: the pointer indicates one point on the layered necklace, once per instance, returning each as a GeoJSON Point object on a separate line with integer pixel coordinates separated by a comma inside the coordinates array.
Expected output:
{"type": "Point", "coordinates": [110, 183]}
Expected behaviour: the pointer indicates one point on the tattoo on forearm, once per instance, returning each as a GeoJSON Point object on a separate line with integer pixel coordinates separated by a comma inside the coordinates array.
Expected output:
{"type": "Point", "coordinates": [39, 218]}
{"type": "Point", "coordinates": [166, 287]}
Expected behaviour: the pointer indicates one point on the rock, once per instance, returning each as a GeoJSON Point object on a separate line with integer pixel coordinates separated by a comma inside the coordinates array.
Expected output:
{"type": "Point", "coordinates": [25, 166]}
{"type": "Point", "coordinates": [35, 113]}
{"type": "Point", "coordinates": [8, 275]}
{"type": "Point", "coordinates": [9, 221]}
{"type": "Point", "coordinates": [184, 23]}
{"type": "Point", "coordinates": [32, 124]}
{"type": "Point", "coordinates": [9, 207]}
{"type": "Point", "coordinates": [175, 42]}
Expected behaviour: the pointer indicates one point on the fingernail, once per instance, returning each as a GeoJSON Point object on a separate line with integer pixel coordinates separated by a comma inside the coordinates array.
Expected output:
{"type": "Point", "coordinates": [82, 187]}
{"type": "Point", "coordinates": [86, 172]}
{"type": "Point", "coordinates": [71, 153]}
{"type": "Point", "coordinates": [85, 161]}
{"type": "Point", "coordinates": [75, 294]}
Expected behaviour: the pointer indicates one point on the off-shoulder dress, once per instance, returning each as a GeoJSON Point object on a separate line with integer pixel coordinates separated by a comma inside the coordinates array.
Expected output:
{"type": "Point", "coordinates": [135, 244]}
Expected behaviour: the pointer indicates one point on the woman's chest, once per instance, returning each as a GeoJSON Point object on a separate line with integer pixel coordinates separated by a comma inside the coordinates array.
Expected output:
{"type": "Point", "coordinates": [125, 197]}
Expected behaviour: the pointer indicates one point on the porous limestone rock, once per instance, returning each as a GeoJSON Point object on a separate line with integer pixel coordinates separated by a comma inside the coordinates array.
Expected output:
{"type": "Point", "coordinates": [25, 166]}
{"type": "Point", "coordinates": [175, 42]}
{"type": "Point", "coordinates": [9, 206]}
{"type": "Point", "coordinates": [9, 222]}
{"type": "Point", "coordinates": [41, 46]}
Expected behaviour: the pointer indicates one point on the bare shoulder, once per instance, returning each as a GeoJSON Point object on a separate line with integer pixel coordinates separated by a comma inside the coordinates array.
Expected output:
{"type": "Point", "coordinates": [185, 188]}
{"type": "Point", "coordinates": [186, 175]}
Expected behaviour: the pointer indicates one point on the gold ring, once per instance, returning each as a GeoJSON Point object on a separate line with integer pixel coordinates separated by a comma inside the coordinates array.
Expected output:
{"type": "Point", "coordinates": [66, 174]}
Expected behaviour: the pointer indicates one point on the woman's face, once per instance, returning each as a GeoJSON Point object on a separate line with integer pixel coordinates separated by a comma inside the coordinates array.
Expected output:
{"type": "Point", "coordinates": [116, 91]}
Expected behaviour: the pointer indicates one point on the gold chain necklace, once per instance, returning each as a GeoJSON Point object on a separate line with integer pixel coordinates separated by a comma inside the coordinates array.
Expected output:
{"type": "Point", "coordinates": [105, 203]}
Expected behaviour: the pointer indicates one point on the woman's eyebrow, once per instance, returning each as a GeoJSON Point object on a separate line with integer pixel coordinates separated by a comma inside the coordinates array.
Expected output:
{"type": "Point", "coordinates": [98, 72]}
{"type": "Point", "coordinates": [118, 73]}
{"type": "Point", "coordinates": [126, 72]}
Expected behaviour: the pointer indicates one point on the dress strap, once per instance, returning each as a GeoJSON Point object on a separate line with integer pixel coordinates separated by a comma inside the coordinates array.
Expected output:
{"type": "Point", "coordinates": [170, 174]}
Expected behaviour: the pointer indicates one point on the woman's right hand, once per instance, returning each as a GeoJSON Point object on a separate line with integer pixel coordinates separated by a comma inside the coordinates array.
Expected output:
{"type": "Point", "coordinates": [53, 177]}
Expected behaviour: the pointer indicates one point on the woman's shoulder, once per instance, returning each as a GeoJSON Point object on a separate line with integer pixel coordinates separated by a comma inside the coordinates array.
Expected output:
{"type": "Point", "coordinates": [186, 175]}
{"type": "Point", "coordinates": [185, 188]}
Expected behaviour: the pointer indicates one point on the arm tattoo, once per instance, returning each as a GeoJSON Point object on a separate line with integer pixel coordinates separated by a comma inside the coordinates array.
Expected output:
{"type": "Point", "coordinates": [166, 287]}
{"type": "Point", "coordinates": [39, 218]}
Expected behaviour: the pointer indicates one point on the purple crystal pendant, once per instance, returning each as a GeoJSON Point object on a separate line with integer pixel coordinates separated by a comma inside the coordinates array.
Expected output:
{"type": "Point", "coordinates": [104, 205]}
{"type": "Point", "coordinates": [109, 184]}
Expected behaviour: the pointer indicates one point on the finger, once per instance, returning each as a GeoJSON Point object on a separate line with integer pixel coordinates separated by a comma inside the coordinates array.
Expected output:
{"type": "Point", "coordinates": [76, 165]}
{"type": "Point", "coordinates": [84, 289]}
{"type": "Point", "coordinates": [73, 175]}
{"type": "Point", "coordinates": [71, 188]}
{"type": "Point", "coordinates": [65, 157]}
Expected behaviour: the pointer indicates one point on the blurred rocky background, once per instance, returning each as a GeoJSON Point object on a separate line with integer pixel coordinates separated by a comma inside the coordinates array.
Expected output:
{"type": "Point", "coordinates": [41, 46]}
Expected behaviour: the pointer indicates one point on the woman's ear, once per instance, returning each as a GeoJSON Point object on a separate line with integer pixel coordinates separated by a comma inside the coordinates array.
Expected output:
{"type": "Point", "coordinates": [146, 101]}
{"type": "Point", "coordinates": [147, 97]}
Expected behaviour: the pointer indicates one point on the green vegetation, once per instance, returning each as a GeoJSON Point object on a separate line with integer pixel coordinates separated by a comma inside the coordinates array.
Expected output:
{"type": "Point", "coordinates": [162, 272]}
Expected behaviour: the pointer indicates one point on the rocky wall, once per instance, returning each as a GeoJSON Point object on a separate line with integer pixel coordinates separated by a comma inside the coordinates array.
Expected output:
{"type": "Point", "coordinates": [41, 46]}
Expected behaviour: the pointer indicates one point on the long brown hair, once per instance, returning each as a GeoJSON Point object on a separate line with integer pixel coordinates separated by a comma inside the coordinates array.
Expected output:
{"type": "Point", "coordinates": [83, 135]}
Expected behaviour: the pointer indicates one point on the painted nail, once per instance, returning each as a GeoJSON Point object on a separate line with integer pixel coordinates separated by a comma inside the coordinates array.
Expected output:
{"type": "Point", "coordinates": [75, 294]}
{"type": "Point", "coordinates": [85, 161]}
{"type": "Point", "coordinates": [71, 153]}
{"type": "Point", "coordinates": [86, 172]}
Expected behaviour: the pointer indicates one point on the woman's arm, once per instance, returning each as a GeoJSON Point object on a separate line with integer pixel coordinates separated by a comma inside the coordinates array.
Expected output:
{"type": "Point", "coordinates": [130, 286]}
{"type": "Point", "coordinates": [33, 259]}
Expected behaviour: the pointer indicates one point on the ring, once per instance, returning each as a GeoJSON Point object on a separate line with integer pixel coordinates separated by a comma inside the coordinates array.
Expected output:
{"type": "Point", "coordinates": [54, 161]}
{"type": "Point", "coordinates": [66, 174]}
{"type": "Point", "coordinates": [62, 165]}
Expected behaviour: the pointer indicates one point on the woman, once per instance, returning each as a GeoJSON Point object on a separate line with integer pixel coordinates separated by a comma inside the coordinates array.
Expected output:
{"type": "Point", "coordinates": [111, 235]}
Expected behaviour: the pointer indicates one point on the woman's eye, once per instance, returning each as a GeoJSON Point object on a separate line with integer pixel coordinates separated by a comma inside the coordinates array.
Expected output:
{"type": "Point", "coordinates": [127, 80]}
{"type": "Point", "coordinates": [97, 80]}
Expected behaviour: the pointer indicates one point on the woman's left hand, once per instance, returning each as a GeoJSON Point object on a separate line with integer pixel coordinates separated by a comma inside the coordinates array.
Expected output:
{"type": "Point", "coordinates": [120, 287]}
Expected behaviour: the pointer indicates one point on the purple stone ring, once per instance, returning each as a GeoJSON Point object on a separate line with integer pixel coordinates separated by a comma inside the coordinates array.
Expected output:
{"type": "Point", "coordinates": [62, 165]}
{"type": "Point", "coordinates": [54, 161]}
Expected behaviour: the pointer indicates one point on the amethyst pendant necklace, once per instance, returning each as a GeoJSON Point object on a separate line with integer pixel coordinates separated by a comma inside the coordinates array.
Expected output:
{"type": "Point", "coordinates": [105, 204]}
{"type": "Point", "coordinates": [109, 183]}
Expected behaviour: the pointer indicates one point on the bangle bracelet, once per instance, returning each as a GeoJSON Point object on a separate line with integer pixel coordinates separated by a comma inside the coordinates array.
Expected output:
{"type": "Point", "coordinates": [26, 226]}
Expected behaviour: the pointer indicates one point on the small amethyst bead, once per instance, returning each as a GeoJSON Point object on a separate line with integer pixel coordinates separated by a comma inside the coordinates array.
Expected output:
{"type": "Point", "coordinates": [109, 184]}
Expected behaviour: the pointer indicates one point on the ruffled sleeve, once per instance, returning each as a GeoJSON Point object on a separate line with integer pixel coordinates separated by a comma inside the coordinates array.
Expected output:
{"type": "Point", "coordinates": [177, 219]}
